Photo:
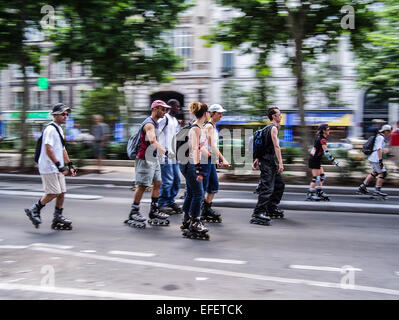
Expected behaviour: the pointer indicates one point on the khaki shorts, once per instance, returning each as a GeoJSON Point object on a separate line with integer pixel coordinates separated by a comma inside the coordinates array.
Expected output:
{"type": "Point", "coordinates": [53, 183]}
{"type": "Point", "coordinates": [147, 172]}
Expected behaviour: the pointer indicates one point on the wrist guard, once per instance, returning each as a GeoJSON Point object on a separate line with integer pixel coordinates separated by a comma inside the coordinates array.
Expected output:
{"type": "Point", "coordinates": [71, 166]}
{"type": "Point", "coordinates": [60, 169]}
{"type": "Point", "coordinates": [199, 169]}
{"type": "Point", "coordinates": [328, 155]}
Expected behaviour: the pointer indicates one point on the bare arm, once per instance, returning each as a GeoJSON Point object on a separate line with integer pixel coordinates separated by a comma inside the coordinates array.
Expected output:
{"type": "Point", "coordinates": [211, 141]}
{"type": "Point", "coordinates": [149, 130]}
{"type": "Point", "coordinates": [277, 149]}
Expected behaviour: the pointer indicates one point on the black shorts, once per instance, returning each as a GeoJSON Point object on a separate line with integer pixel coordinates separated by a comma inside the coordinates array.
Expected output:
{"type": "Point", "coordinates": [314, 163]}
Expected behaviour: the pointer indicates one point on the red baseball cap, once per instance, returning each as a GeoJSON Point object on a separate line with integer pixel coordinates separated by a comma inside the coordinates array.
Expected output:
{"type": "Point", "coordinates": [159, 103]}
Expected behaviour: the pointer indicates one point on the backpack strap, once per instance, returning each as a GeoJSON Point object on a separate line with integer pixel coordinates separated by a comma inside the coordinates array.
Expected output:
{"type": "Point", "coordinates": [59, 133]}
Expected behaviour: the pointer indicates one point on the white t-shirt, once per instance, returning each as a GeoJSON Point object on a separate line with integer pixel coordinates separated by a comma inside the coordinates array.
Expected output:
{"type": "Point", "coordinates": [51, 137]}
{"type": "Point", "coordinates": [215, 137]}
{"type": "Point", "coordinates": [166, 134]}
{"type": "Point", "coordinates": [379, 144]}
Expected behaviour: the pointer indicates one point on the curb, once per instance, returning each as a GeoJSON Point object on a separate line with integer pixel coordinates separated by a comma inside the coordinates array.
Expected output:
{"type": "Point", "coordinates": [249, 187]}
{"type": "Point", "coordinates": [313, 206]}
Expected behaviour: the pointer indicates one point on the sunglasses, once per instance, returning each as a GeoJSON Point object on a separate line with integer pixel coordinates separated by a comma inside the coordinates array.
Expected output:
{"type": "Point", "coordinates": [64, 114]}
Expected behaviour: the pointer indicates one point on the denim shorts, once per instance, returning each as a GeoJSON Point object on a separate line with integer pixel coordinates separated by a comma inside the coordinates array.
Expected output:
{"type": "Point", "coordinates": [211, 181]}
{"type": "Point", "coordinates": [147, 172]}
{"type": "Point", "coordinates": [375, 167]}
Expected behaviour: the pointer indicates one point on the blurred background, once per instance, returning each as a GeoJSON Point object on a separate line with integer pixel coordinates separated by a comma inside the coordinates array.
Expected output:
{"type": "Point", "coordinates": [319, 62]}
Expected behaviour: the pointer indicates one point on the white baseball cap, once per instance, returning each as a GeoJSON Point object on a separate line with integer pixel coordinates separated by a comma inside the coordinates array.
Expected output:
{"type": "Point", "coordinates": [216, 108]}
{"type": "Point", "coordinates": [385, 127]}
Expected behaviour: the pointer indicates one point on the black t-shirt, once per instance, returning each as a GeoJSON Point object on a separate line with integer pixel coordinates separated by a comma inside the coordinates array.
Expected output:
{"type": "Point", "coordinates": [317, 150]}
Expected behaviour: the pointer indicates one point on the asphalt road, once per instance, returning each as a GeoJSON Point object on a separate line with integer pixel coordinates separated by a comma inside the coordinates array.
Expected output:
{"type": "Point", "coordinates": [308, 255]}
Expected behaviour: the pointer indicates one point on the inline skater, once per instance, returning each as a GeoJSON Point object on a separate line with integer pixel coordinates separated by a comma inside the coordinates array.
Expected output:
{"type": "Point", "coordinates": [271, 185]}
{"type": "Point", "coordinates": [316, 192]}
{"type": "Point", "coordinates": [211, 181]}
{"type": "Point", "coordinates": [148, 169]}
{"type": "Point", "coordinates": [53, 164]}
{"type": "Point", "coordinates": [378, 170]}
{"type": "Point", "coordinates": [193, 170]}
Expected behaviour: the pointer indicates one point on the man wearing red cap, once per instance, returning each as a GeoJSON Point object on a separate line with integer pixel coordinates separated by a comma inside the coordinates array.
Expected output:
{"type": "Point", "coordinates": [148, 169]}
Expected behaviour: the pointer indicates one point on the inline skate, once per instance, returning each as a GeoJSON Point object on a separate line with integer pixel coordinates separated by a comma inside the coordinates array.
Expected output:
{"type": "Point", "coordinates": [173, 208]}
{"type": "Point", "coordinates": [135, 219]}
{"type": "Point", "coordinates": [378, 195]}
{"type": "Point", "coordinates": [185, 222]}
{"type": "Point", "coordinates": [312, 196]}
{"type": "Point", "coordinates": [34, 215]}
{"type": "Point", "coordinates": [60, 222]}
{"type": "Point", "coordinates": [208, 214]}
{"type": "Point", "coordinates": [260, 218]}
{"type": "Point", "coordinates": [275, 213]}
{"type": "Point", "coordinates": [157, 218]}
{"type": "Point", "coordinates": [196, 230]}
{"type": "Point", "coordinates": [322, 195]}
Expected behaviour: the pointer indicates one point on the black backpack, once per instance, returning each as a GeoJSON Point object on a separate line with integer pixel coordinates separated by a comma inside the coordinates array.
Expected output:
{"type": "Point", "coordinates": [180, 143]}
{"type": "Point", "coordinates": [40, 141]}
{"type": "Point", "coordinates": [259, 141]}
{"type": "Point", "coordinates": [367, 148]}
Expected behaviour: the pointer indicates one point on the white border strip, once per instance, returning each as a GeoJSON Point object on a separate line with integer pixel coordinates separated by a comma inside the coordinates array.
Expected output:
{"type": "Point", "coordinates": [87, 292]}
{"type": "Point", "coordinates": [129, 253]}
{"type": "Point", "coordinates": [223, 272]}
{"type": "Point", "coordinates": [220, 260]}
{"type": "Point", "coordinates": [317, 268]}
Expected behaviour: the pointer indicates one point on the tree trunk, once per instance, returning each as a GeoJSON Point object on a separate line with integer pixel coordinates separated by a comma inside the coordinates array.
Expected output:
{"type": "Point", "coordinates": [297, 20]}
{"type": "Point", "coordinates": [23, 125]}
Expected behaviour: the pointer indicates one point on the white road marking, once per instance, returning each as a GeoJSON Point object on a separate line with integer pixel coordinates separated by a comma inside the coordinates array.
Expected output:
{"type": "Point", "coordinates": [13, 247]}
{"type": "Point", "coordinates": [129, 253]}
{"type": "Point", "coordinates": [220, 260]}
{"type": "Point", "coordinates": [16, 280]}
{"type": "Point", "coordinates": [201, 278]}
{"type": "Point", "coordinates": [88, 251]}
{"type": "Point", "coordinates": [87, 292]}
{"type": "Point", "coordinates": [50, 245]}
{"type": "Point", "coordinates": [39, 194]}
{"type": "Point", "coordinates": [9, 261]}
{"type": "Point", "coordinates": [223, 272]}
{"type": "Point", "coordinates": [317, 268]}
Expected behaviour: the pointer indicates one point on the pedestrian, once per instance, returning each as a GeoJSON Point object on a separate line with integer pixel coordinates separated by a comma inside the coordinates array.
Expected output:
{"type": "Point", "coordinates": [169, 126]}
{"type": "Point", "coordinates": [148, 169]}
{"type": "Point", "coordinates": [378, 170]}
{"type": "Point", "coordinates": [54, 164]}
{"type": "Point", "coordinates": [211, 180]}
{"type": "Point", "coordinates": [271, 185]}
{"type": "Point", "coordinates": [193, 171]}
{"type": "Point", "coordinates": [101, 133]}
{"type": "Point", "coordinates": [376, 124]}
{"type": "Point", "coordinates": [316, 192]}
{"type": "Point", "coordinates": [394, 143]}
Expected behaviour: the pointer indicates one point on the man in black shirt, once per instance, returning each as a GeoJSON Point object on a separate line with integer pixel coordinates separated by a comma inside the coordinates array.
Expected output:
{"type": "Point", "coordinates": [271, 185]}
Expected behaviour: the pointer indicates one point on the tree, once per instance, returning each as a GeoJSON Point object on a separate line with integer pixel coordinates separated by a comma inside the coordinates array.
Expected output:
{"type": "Point", "coordinates": [17, 20]}
{"type": "Point", "coordinates": [121, 40]}
{"type": "Point", "coordinates": [307, 27]}
{"type": "Point", "coordinates": [379, 58]}
{"type": "Point", "coordinates": [103, 101]}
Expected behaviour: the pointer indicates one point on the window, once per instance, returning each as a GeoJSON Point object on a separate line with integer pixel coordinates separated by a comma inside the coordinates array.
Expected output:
{"type": "Point", "coordinates": [181, 39]}
{"type": "Point", "coordinates": [59, 96]}
{"type": "Point", "coordinates": [38, 100]}
{"type": "Point", "coordinates": [60, 69]}
{"type": "Point", "coordinates": [227, 64]}
{"type": "Point", "coordinates": [18, 100]}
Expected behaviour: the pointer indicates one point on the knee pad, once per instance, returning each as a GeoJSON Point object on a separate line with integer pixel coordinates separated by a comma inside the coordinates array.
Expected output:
{"type": "Point", "coordinates": [374, 174]}
{"type": "Point", "coordinates": [383, 175]}
{"type": "Point", "coordinates": [318, 179]}
{"type": "Point", "coordinates": [314, 179]}
{"type": "Point", "coordinates": [323, 178]}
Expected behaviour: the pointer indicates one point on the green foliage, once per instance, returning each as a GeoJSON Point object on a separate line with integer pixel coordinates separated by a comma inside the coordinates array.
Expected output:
{"type": "Point", "coordinates": [121, 40]}
{"type": "Point", "coordinates": [290, 153]}
{"type": "Point", "coordinates": [379, 56]}
{"type": "Point", "coordinates": [103, 101]}
{"type": "Point", "coordinates": [117, 151]}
